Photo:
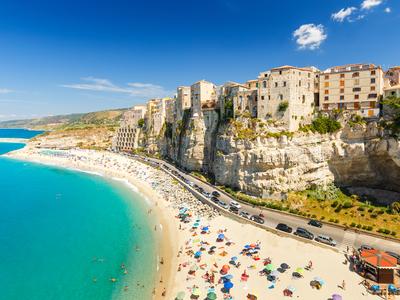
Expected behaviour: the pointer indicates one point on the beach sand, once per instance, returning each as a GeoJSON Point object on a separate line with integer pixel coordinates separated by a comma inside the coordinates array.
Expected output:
{"type": "Point", "coordinates": [178, 241]}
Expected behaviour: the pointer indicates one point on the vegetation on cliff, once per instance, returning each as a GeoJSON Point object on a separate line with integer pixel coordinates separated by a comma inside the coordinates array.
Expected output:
{"type": "Point", "coordinates": [323, 125]}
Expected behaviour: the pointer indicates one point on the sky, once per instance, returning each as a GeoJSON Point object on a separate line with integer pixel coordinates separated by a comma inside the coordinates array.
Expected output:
{"type": "Point", "coordinates": [59, 57]}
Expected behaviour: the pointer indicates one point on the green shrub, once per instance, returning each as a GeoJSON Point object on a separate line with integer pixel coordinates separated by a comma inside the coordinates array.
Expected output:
{"type": "Point", "coordinates": [325, 125]}
{"type": "Point", "coordinates": [347, 205]}
{"type": "Point", "coordinates": [283, 106]}
{"type": "Point", "coordinates": [353, 224]}
{"type": "Point", "coordinates": [335, 203]}
{"type": "Point", "coordinates": [338, 209]}
{"type": "Point", "coordinates": [369, 227]}
{"type": "Point", "coordinates": [360, 208]}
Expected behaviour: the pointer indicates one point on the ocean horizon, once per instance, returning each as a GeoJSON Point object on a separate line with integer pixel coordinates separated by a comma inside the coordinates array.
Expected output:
{"type": "Point", "coordinates": [65, 234]}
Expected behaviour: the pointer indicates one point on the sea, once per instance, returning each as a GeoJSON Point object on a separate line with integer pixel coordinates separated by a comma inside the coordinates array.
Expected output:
{"type": "Point", "coordinates": [66, 234]}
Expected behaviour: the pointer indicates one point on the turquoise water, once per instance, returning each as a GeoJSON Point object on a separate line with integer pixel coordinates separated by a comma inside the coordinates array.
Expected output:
{"type": "Point", "coordinates": [64, 234]}
{"type": "Point", "coordinates": [18, 133]}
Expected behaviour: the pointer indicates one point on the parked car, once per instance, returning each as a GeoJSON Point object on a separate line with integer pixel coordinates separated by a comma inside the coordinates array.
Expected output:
{"type": "Point", "coordinates": [215, 199]}
{"type": "Point", "coordinates": [284, 227]}
{"type": "Point", "coordinates": [315, 223]}
{"type": "Point", "coordinates": [395, 255]}
{"type": "Point", "coordinates": [234, 209]}
{"type": "Point", "coordinates": [365, 247]}
{"type": "Point", "coordinates": [245, 214]}
{"type": "Point", "coordinates": [235, 204]}
{"type": "Point", "coordinates": [326, 240]}
{"type": "Point", "coordinates": [304, 233]}
{"type": "Point", "coordinates": [216, 194]}
{"type": "Point", "coordinates": [223, 204]}
{"type": "Point", "coordinates": [257, 219]}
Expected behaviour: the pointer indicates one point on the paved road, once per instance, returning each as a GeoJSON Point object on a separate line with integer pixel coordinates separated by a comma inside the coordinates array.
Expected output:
{"type": "Point", "coordinates": [343, 237]}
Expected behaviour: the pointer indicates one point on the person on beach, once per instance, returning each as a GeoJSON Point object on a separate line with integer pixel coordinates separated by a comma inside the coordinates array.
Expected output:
{"type": "Point", "coordinates": [344, 285]}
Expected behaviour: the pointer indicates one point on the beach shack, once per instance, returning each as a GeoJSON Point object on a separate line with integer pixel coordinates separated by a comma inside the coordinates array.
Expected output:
{"type": "Point", "coordinates": [379, 264]}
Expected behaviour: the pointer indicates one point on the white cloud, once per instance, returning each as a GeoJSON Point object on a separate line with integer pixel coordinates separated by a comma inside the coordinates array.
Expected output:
{"type": "Point", "coordinates": [342, 14]}
{"type": "Point", "coordinates": [310, 36]}
{"type": "Point", "coordinates": [388, 10]}
{"type": "Point", "coordinates": [368, 4]}
{"type": "Point", "coordinates": [135, 89]}
{"type": "Point", "coordinates": [5, 91]}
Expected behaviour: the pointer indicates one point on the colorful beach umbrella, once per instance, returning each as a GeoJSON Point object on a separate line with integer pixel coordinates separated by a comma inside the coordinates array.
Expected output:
{"type": "Point", "coordinates": [274, 273]}
{"type": "Point", "coordinates": [228, 277]}
{"type": "Point", "coordinates": [269, 267]}
{"type": "Point", "coordinates": [228, 285]}
{"type": "Point", "coordinates": [336, 297]}
{"type": "Point", "coordinates": [180, 296]}
{"type": "Point", "coordinates": [234, 258]}
{"type": "Point", "coordinates": [196, 291]}
{"type": "Point", "coordinates": [300, 271]}
{"type": "Point", "coordinates": [221, 236]}
{"type": "Point", "coordinates": [320, 280]}
{"type": "Point", "coordinates": [211, 296]}
{"type": "Point", "coordinates": [291, 288]}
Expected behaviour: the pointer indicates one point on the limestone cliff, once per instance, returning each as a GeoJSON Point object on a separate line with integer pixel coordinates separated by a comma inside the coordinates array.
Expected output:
{"type": "Point", "coordinates": [254, 157]}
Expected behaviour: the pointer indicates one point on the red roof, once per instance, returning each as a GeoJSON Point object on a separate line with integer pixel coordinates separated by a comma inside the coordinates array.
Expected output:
{"type": "Point", "coordinates": [379, 259]}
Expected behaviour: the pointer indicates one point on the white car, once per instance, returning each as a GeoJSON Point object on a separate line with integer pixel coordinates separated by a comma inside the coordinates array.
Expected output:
{"type": "Point", "coordinates": [326, 240]}
{"type": "Point", "coordinates": [235, 204]}
{"type": "Point", "coordinates": [223, 204]}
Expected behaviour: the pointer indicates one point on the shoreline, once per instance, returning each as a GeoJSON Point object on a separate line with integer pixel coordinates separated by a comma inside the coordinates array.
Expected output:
{"type": "Point", "coordinates": [163, 237]}
{"type": "Point", "coordinates": [14, 140]}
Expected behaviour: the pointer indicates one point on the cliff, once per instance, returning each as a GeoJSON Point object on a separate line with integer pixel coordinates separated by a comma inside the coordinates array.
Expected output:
{"type": "Point", "coordinates": [260, 160]}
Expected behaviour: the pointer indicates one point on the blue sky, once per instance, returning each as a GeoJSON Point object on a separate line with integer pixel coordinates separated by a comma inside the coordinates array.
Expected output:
{"type": "Point", "coordinates": [61, 57]}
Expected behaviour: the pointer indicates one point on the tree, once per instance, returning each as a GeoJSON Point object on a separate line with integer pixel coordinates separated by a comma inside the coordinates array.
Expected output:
{"type": "Point", "coordinates": [141, 123]}
{"type": "Point", "coordinates": [395, 206]}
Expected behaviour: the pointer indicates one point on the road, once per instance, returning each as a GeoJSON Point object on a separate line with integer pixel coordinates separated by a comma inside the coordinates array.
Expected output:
{"type": "Point", "coordinates": [343, 237]}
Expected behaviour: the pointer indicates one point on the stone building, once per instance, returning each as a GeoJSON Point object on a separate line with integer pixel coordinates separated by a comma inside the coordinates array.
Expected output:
{"type": "Point", "coordinates": [288, 94]}
{"type": "Point", "coordinates": [392, 76]}
{"type": "Point", "coordinates": [355, 87]}
{"type": "Point", "coordinates": [183, 101]}
{"type": "Point", "coordinates": [127, 135]}
{"type": "Point", "coordinates": [203, 96]}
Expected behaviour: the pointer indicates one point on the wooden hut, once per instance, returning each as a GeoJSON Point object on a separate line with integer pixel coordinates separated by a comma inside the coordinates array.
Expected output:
{"type": "Point", "coordinates": [380, 264]}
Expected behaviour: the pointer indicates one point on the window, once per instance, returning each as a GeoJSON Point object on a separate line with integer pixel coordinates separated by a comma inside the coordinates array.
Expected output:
{"type": "Point", "coordinates": [356, 81]}
{"type": "Point", "coordinates": [276, 84]}
{"type": "Point", "coordinates": [304, 98]}
{"type": "Point", "coordinates": [257, 85]}
{"type": "Point", "coordinates": [341, 91]}
{"type": "Point", "coordinates": [326, 84]}
{"type": "Point", "coordinates": [309, 75]}
{"type": "Point", "coordinates": [357, 89]}
{"type": "Point", "coordinates": [326, 77]}
{"type": "Point", "coordinates": [264, 84]}
{"type": "Point", "coordinates": [373, 72]}
{"type": "Point", "coordinates": [342, 97]}
{"type": "Point", "coordinates": [326, 92]}
{"type": "Point", "coordinates": [356, 74]}
{"type": "Point", "coordinates": [356, 105]}
{"type": "Point", "coordinates": [280, 72]}
{"type": "Point", "coordinates": [341, 82]}
{"type": "Point", "coordinates": [299, 82]}
{"type": "Point", "coordinates": [372, 88]}
{"type": "Point", "coordinates": [284, 83]}
{"type": "Point", "coordinates": [372, 96]}
{"type": "Point", "coordinates": [372, 104]}
{"type": "Point", "coordinates": [280, 97]}
{"type": "Point", "coordinates": [341, 75]}
{"type": "Point", "coordinates": [326, 98]}
{"type": "Point", "coordinates": [373, 80]}
{"type": "Point", "coordinates": [340, 106]}
{"type": "Point", "coordinates": [262, 97]}
{"type": "Point", "coordinates": [269, 97]}
{"type": "Point", "coordinates": [326, 106]}
{"type": "Point", "coordinates": [357, 97]}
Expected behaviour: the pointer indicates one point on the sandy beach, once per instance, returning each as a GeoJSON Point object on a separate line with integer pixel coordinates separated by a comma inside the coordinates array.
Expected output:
{"type": "Point", "coordinates": [191, 258]}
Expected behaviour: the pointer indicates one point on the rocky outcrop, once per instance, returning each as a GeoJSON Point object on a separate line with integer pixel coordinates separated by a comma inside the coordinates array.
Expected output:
{"type": "Point", "coordinates": [269, 165]}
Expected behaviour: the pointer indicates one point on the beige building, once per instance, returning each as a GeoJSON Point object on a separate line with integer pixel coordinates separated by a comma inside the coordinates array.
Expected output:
{"type": "Point", "coordinates": [203, 96]}
{"type": "Point", "coordinates": [356, 87]}
{"type": "Point", "coordinates": [126, 137]}
{"type": "Point", "coordinates": [392, 91]}
{"type": "Point", "coordinates": [392, 76]}
{"type": "Point", "coordinates": [288, 95]}
{"type": "Point", "coordinates": [170, 109]}
{"type": "Point", "coordinates": [183, 101]}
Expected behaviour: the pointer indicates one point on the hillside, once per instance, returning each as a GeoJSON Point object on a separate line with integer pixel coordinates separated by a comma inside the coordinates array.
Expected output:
{"type": "Point", "coordinates": [108, 118]}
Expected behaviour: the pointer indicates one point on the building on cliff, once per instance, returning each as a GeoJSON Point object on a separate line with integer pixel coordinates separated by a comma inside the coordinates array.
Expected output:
{"type": "Point", "coordinates": [203, 96]}
{"type": "Point", "coordinates": [183, 101]}
{"type": "Point", "coordinates": [355, 87]}
{"type": "Point", "coordinates": [127, 135]}
{"type": "Point", "coordinates": [288, 95]}
{"type": "Point", "coordinates": [392, 76]}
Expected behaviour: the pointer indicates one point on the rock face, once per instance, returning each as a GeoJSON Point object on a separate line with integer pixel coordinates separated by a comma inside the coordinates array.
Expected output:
{"type": "Point", "coordinates": [269, 166]}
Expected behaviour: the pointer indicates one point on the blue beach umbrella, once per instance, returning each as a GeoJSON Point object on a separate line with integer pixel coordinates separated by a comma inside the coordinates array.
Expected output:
{"type": "Point", "coordinates": [247, 247]}
{"type": "Point", "coordinates": [221, 236]}
{"type": "Point", "coordinates": [320, 280]}
{"type": "Point", "coordinates": [228, 285]}
{"type": "Point", "coordinates": [228, 277]}
{"type": "Point", "coordinates": [234, 258]}
{"type": "Point", "coordinates": [198, 254]}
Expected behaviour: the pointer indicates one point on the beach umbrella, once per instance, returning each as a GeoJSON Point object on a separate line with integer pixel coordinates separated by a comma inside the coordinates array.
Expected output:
{"type": "Point", "coordinates": [211, 296]}
{"type": "Point", "coordinates": [291, 288]}
{"type": "Point", "coordinates": [269, 267]}
{"type": "Point", "coordinates": [234, 258]}
{"type": "Point", "coordinates": [194, 268]}
{"type": "Point", "coordinates": [180, 296]}
{"type": "Point", "coordinates": [221, 236]}
{"type": "Point", "coordinates": [336, 297]}
{"type": "Point", "coordinates": [274, 273]}
{"type": "Point", "coordinates": [228, 285]}
{"type": "Point", "coordinates": [196, 291]}
{"type": "Point", "coordinates": [320, 280]}
{"type": "Point", "coordinates": [197, 254]}
{"type": "Point", "coordinates": [228, 277]}
{"type": "Point", "coordinates": [284, 266]}
{"type": "Point", "coordinates": [206, 228]}
{"type": "Point", "coordinates": [247, 247]}
{"type": "Point", "coordinates": [211, 290]}
{"type": "Point", "coordinates": [300, 271]}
